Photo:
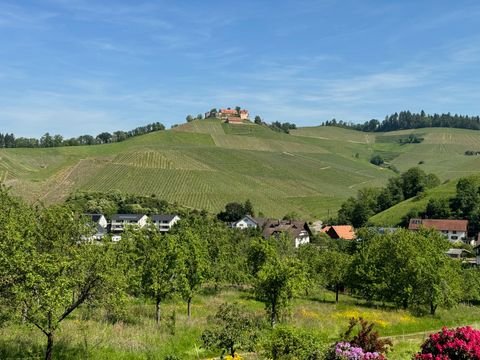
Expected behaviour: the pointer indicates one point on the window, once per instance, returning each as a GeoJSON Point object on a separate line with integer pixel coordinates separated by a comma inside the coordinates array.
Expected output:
{"type": "Point", "coordinates": [454, 232]}
{"type": "Point", "coordinates": [454, 237]}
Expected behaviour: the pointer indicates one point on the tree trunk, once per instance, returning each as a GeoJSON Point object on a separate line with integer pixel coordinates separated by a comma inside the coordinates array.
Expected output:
{"type": "Point", "coordinates": [273, 315]}
{"type": "Point", "coordinates": [49, 351]}
{"type": "Point", "coordinates": [433, 308]}
{"type": "Point", "coordinates": [232, 352]}
{"type": "Point", "coordinates": [189, 310]}
{"type": "Point", "coordinates": [157, 310]}
{"type": "Point", "coordinates": [336, 293]}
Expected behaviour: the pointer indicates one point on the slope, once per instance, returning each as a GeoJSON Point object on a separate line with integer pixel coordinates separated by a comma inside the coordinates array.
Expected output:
{"type": "Point", "coordinates": [203, 164]}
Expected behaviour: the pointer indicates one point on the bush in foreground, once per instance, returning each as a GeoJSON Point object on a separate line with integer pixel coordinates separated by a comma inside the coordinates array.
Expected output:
{"type": "Point", "coordinates": [462, 343]}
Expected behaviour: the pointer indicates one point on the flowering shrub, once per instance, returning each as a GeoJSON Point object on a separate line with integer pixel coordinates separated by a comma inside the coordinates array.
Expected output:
{"type": "Point", "coordinates": [365, 344]}
{"type": "Point", "coordinates": [462, 343]}
{"type": "Point", "coordinates": [345, 351]}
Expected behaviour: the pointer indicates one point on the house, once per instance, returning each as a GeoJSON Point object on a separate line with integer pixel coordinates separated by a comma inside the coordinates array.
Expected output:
{"type": "Point", "coordinates": [98, 219]}
{"type": "Point", "coordinates": [453, 230]}
{"type": "Point", "coordinates": [249, 222]}
{"type": "Point", "coordinates": [119, 221]}
{"type": "Point", "coordinates": [164, 223]}
{"type": "Point", "coordinates": [345, 232]}
{"type": "Point", "coordinates": [298, 230]}
{"type": "Point", "coordinates": [244, 114]}
{"type": "Point", "coordinates": [100, 226]}
{"type": "Point", "coordinates": [225, 113]}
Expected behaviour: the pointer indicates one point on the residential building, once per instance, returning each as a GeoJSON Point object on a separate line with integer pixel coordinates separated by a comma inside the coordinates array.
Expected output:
{"type": "Point", "coordinates": [249, 222]}
{"type": "Point", "coordinates": [120, 221]}
{"type": "Point", "coordinates": [345, 232]}
{"type": "Point", "coordinates": [453, 230]}
{"type": "Point", "coordinates": [299, 231]}
{"type": "Point", "coordinates": [164, 223]}
{"type": "Point", "coordinates": [244, 114]}
{"type": "Point", "coordinates": [100, 226]}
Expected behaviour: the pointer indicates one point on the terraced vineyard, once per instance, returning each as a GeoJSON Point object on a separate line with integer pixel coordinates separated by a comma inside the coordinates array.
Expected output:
{"type": "Point", "coordinates": [205, 164]}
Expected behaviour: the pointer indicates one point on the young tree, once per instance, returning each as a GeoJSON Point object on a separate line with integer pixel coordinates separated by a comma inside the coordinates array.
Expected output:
{"type": "Point", "coordinates": [334, 266]}
{"type": "Point", "coordinates": [278, 281]}
{"type": "Point", "coordinates": [162, 265]}
{"type": "Point", "coordinates": [57, 270]}
{"type": "Point", "coordinates": [232, 329]}
{"type": "Point", "coordinates": [195, 260]}
{"type": "Point", "coordinates": [189, 118]}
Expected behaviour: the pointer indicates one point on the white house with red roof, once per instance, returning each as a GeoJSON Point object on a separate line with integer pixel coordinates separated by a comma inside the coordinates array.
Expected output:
{"type": "Point", "coordinates": [454, 230]}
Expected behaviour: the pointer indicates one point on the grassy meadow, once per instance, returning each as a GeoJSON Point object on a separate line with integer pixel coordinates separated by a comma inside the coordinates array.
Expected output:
{"type": "Point", "coordinates": [205, 164]}
{"type": "Point", "coordinates": [88, 336]}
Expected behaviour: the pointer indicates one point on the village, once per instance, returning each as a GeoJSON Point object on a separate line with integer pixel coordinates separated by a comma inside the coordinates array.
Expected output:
{"type": "Point", "coordinates": [299, 231]}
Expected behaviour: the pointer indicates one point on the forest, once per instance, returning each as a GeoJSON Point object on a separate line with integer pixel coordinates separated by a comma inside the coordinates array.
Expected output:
{"type": "Point", "coordinates": [47, 140]}
{"type": "Point", "coordinates": [405, 120]}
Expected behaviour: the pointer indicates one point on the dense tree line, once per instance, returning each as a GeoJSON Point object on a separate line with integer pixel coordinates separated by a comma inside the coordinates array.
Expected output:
{"type": "Point", "coordinates": [282, 127]}
{"type": "Point", "coordinates": [408, 120]}
{"type": "Point", "coordinates": [370, 201]}
{"type": "Point", "coordinates": [116, 202]}
{"type": "Point", "coordinates": [48, 140]}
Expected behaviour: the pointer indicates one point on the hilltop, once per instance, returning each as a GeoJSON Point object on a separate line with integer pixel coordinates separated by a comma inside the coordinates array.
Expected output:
{"type": "Point", "coordinates": [207, 163]}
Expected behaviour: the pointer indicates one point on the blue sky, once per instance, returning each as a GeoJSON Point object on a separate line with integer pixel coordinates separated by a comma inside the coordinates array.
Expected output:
{"type": "Point", "coordinates": [84, 66]}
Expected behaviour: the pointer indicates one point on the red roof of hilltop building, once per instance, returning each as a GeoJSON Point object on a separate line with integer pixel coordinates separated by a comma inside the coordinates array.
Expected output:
{"type": "Point", "coordinates": [439, 224]}
{"type": "Point", "coordinates": [228, 111]}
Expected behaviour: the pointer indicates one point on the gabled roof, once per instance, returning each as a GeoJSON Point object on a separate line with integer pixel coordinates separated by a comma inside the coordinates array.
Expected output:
{"type": "Point", "coordinates": [340, 231]}
{"type": "Point", "coordinates": [294, 228]}
{"type": "Point", "coordinates": [130, 217]}
{"type": "Point", "coordinates": [439, 224]}
{"type": "Point", "coordinates": [163, 217]}
{"type": "Point", "coordinates": [94, 217]}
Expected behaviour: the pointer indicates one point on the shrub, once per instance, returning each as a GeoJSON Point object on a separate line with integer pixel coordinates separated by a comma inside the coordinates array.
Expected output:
{"type": "Point", "coordinates": [287, 343]}
{"type": "Point", "coordinates": [345, 351]}
{"type": "Point", "coordinates": [365, 345]}
{"type": "Point", "coordinates": [460, 343]}
{"type": "Point", "coordinates": [377, 160]}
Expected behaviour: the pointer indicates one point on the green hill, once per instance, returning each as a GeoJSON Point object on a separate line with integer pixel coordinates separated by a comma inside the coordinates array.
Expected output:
{"type": "Point", "coordinates": [394, 215]}
{"type": "Point", "coordinates": [205, 164]}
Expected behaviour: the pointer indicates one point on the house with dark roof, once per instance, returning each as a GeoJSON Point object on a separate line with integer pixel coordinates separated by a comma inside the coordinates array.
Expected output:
{"type": "Point", "coordinates": [299, 231]}
{"type": "Point", "coordinates": [345, 232]}
{"type": "Point", "coordinates": [453, 230]}
{"type": "Point", "coordinates": [249, 222]}
{"type": "Point", "coordinates": [100, 225]}
{"type": "Point", "coordinates": [165, 222]}
{"type": "Point", "coordinates": [120, 221]}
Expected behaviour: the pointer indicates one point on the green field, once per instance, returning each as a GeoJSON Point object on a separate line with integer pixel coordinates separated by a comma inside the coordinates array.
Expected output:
{"type": "Point", "coordinates": [205, 164]}
{"type": "Point", "coordinates": [88, 336]}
